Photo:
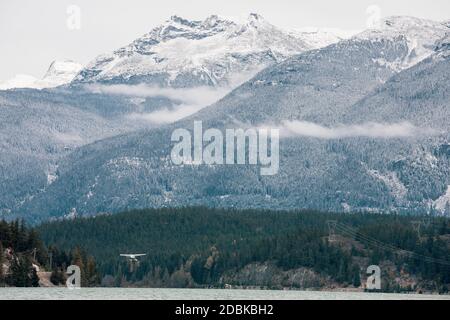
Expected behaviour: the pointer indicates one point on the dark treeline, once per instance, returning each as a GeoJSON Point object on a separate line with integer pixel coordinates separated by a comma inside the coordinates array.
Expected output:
{"type": "Point", "coordinates": [22, 254]}
{"type": "Point", "coordinates": [198, 247]}
{"type": "Point", "coordinates": [19, 249]}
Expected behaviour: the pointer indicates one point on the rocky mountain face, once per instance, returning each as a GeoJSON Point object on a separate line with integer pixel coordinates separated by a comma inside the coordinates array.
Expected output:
{"type": "Point", "coordinates": [420, 35]}
{"type": "Point", "coordinates": [60, 73]}
{"type": "Point", "coordinates": [215, 51]}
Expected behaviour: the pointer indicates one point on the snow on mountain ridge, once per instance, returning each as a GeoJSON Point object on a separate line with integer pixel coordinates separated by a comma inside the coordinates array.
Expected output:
{"type": "Point", "coordinates": [321, 37]}
{"type": "Point", "coordinates": [176, 27]}
{"type": "Point", "coordinates": [212, 50]}
{"type": "Point", "coordinates": [59, 73]}
{"type": "Point", "coordinates": [19, 81]}
{"type": "Point", "coordinates": [420, 35]}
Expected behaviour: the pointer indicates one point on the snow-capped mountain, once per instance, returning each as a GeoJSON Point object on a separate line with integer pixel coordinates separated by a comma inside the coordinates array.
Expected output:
{"type": "Point", "coordinates": [19, 81]}
{"type": "Point", "coordinates": [323, 84]}
{"type": "Point", "coordinates": [215, 51]}
{"type": "Point", "coordinates": [40, 127]}
{"type": "Point", "coordinates": [321, 37]}
{"type": "Point", "coordinates": [59, 73]}
{"type": "Point", "coordinates": [393, 74]}
{"type": "Point", "coordinates": [419, 34]}
{"type": "Point", "coordinates": [339, 86]}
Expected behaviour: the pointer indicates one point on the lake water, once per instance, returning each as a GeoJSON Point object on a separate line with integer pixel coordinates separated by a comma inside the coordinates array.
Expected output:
{"type": "Point", "coordinates": [195, 294]}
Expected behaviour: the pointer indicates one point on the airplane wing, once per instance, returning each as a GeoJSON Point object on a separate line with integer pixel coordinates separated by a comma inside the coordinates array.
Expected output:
{"type": "Point", "coordinates": [133, 255]}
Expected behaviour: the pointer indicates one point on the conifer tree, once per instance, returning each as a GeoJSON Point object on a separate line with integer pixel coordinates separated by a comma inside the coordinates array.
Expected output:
{"type": "Point", "coordinates": [356, 281]}
{"type": "Point", "coordinates": [92, 276]}
{"type": "Point", "coordinates": [77, 259]}
{"type": "Point", "coordinates": [20, 272]}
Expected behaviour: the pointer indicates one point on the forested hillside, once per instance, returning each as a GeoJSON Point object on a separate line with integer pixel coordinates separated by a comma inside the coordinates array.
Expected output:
{"type": "Point", "coordinates": [25, 261]}
{"type": "Point", "coordinates": [200, 247]}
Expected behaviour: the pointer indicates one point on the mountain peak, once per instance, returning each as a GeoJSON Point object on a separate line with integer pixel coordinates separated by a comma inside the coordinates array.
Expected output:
{"type": "Point", "coordinates": [406, 24]}
{"type": "Point", "coordinates": [182, 21]}
{"type": "Point", "coordinates": [63, 66]}
{"type": "Point", "coordinates": [255, 17]}
{"type": "Point", "coordinates": [208, 51]}
{"type": "Point", "coordinates": [255, 20]}
{"type": "Point", "coordinates": [177, 18]}
{"type": "Point", "coordinates": [215, 20]}
{"type": "Point", "coordinates": [419, 34]}
{"type": "Point", "coordinates": [58, 73]}
{"type": "Point", "coordinates": [211, 20]}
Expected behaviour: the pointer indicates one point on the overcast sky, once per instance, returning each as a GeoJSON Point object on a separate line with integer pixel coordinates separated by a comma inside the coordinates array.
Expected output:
{"type": "Point", "coordinates": [34, 33]}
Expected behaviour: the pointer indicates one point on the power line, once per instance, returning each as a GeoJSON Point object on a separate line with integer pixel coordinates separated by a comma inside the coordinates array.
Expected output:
{"type": "Point", "coordinates": [379, 244]}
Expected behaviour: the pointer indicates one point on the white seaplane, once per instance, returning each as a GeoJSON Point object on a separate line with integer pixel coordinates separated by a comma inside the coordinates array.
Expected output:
{"type": "Point", "coordinates": [133, 259]}
{"type": "Point", "coordinates": [132, 256]}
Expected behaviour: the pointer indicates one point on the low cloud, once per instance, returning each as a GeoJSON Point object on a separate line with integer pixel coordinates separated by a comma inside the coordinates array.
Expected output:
{"type": "Point", "coordinates": [197, 96]}
{"type": "Point", "coordinates": [192, 99]}
{"type": "Point", "coordinates": [369, 130]}
{"type": "Point", "coordinates": [165, 115]}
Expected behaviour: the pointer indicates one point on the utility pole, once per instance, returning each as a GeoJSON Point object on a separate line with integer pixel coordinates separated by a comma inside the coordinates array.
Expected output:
{"type": "Point", "coordinates": [332, 224]}
{"type": "Point", "coordinates": [416, 225]}
{"type": "Point", "coordinates": [50, 256]}
{"type": "Point", "coordinates": [426, 221]}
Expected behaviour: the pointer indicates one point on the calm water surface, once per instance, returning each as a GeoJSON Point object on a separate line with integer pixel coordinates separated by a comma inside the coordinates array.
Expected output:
{"type": "Point", "coordinates": [195, 294]}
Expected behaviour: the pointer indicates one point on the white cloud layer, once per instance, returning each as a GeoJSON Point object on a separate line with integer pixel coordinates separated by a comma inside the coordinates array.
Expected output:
{"type": "Point", "coordinates": [165, 115]}
{"type": "Point", "coordinates": [192, 99]}
{"type": "Point", "coordinates": [369, 130]}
